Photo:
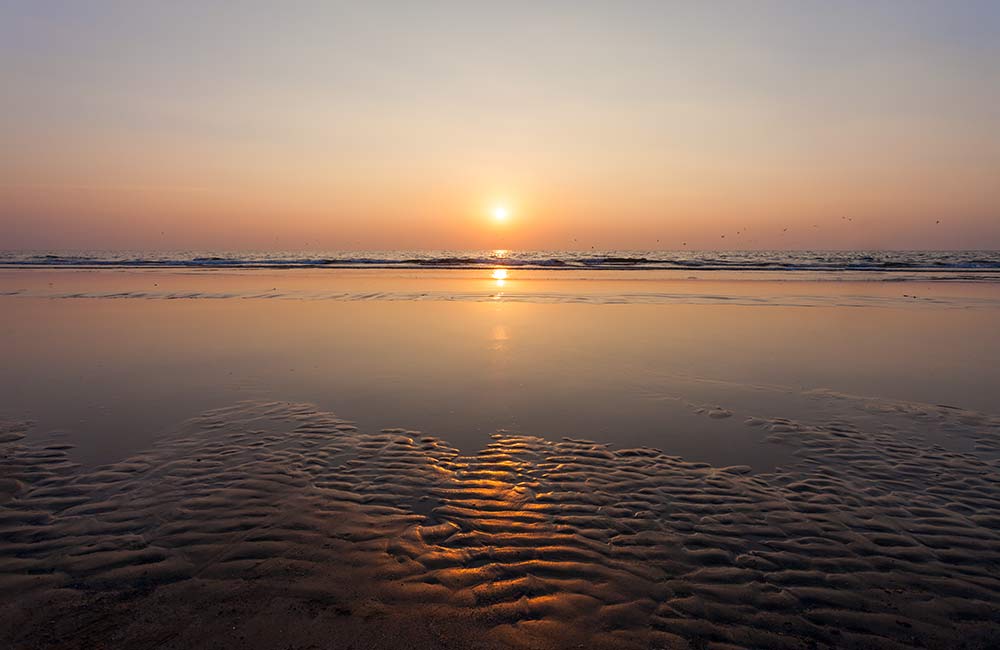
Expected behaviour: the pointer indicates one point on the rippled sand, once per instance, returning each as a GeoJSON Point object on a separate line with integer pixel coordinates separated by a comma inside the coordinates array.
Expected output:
{"type": "Point", "coordinates": [279, 525]}
{"type": "Point", "coordinates": [745, 288]}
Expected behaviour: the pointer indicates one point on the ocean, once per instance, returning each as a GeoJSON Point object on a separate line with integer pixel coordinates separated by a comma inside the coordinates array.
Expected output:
{"type": "Point", "coordinates": [970, 264]}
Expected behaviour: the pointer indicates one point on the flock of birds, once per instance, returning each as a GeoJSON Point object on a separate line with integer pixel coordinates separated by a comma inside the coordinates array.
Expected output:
{"type": "Point", "coordinates": [576, 241]}
{"type": "Point", "coordinates": [783, 230]}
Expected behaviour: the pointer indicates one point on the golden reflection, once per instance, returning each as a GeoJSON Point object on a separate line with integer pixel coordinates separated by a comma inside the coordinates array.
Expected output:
{"type": "Point", "coordinates": [501, 252]}
{"type": "Point", "coordinates": [499, 274]}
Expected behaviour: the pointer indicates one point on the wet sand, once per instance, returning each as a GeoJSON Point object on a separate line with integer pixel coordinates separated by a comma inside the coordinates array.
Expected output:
{"type": "Point", "coordinates": [869, 517]}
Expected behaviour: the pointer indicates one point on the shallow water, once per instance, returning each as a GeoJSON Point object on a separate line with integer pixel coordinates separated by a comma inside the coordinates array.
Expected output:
{"type": "Point", "coordinates": [621, 372]}
{"type": "Point", "coordinates": [758, 470]}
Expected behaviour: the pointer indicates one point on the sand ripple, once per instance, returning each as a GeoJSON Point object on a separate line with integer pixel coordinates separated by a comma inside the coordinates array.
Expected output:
{"type": "Point", "coordinates": [279, 525]}
{"type": "Point", "coordinates": [496, 294]}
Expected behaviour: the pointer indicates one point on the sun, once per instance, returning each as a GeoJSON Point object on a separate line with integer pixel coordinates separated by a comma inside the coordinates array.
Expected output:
{"type": "Point", "coordinates": [501, 213]}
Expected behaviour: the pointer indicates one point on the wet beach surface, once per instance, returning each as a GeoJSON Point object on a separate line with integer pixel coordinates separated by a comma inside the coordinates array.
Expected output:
{"type": "Point", "coordinates": [268, 517]}
{"type": "Point", "coordinates": [384, 473]}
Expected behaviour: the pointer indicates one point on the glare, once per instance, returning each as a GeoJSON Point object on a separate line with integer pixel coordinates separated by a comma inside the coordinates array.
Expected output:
{"type": "Point", "coordinates": [499, 274]}
{"type": "Point", "coordinates": [501, 213]}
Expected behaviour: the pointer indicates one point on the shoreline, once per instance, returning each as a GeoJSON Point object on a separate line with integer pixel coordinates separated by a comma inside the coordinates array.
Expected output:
{"type": "Point", "coordinates": [745, 288]}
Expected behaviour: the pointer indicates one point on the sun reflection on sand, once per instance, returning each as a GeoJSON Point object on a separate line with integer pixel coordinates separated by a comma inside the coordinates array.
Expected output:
{"type": "Point", "coordinates": [500, 276]}
{"type": "Point", "coordinates": [499, 337]}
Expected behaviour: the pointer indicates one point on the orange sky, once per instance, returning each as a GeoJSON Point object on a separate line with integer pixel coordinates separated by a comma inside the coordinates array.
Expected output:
{"type": "Point", "coordinates": [776, 125]}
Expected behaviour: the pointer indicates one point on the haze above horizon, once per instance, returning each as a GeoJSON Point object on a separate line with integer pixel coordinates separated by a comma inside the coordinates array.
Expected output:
{"type": "Point", "coordinates": [528, 126]}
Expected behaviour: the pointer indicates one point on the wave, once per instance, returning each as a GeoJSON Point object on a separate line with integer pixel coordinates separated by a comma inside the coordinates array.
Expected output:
{"type": "Point", "coordinates": [869, 261]}
{"type": "Point", "coordinates": [495, 295]}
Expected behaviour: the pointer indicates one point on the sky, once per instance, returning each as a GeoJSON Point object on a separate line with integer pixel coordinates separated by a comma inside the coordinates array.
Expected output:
{"type": "Point", "coordinates": [404, 125]}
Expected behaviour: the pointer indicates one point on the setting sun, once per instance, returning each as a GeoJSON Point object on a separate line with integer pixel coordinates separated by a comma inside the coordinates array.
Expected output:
{"type": "Point", "coordinates": [501, 213]}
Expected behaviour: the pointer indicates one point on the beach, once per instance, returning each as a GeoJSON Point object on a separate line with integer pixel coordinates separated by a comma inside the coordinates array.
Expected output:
{"type": "Point", "coordinates": [540, 458]}
{"type": "Point", "coordinates": [500, 326]}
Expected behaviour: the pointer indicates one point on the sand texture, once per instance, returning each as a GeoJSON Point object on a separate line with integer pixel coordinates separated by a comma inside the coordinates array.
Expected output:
{"type": "Point", "coordinates": [276, 525]}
